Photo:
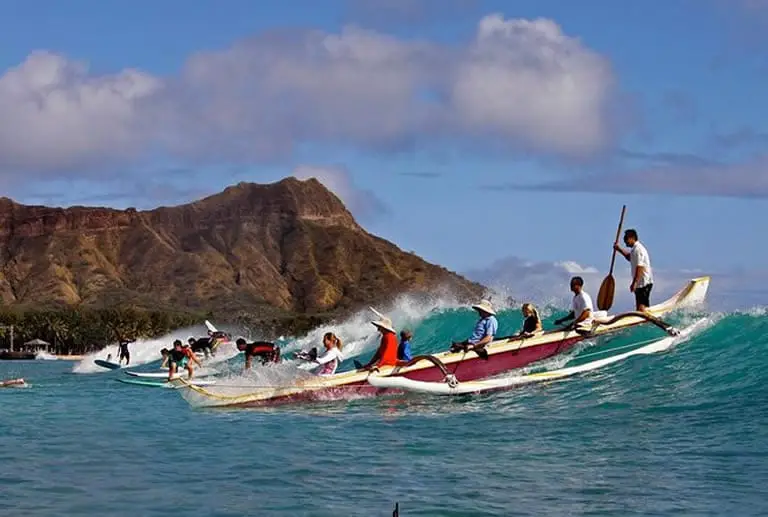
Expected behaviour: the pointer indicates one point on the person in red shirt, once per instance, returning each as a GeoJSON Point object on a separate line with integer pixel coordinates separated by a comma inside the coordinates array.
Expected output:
{"type": "Point", "coordinates": [386, 355]}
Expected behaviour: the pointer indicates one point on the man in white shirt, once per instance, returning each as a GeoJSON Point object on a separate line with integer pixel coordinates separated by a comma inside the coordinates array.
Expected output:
{"type": "Point", "coordinates": [582, 308]}
{"type": "Point", "coordinates": [642, 274]}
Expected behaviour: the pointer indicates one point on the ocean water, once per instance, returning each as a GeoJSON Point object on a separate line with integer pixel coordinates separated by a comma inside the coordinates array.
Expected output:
{"type": "Point", "coordinates": [684, 432]}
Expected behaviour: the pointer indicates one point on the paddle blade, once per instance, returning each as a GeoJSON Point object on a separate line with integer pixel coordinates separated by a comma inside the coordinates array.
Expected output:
{"type": "Point", "coordinates": [605, 295]}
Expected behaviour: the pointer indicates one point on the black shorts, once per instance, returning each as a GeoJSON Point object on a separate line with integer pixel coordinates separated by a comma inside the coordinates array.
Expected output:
{"type": "Point", "coordinates": [643, 295]}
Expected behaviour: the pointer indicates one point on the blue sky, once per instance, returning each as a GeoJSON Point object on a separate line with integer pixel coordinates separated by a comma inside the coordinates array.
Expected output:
{"type": "Point", "coordinates": [466, 131]}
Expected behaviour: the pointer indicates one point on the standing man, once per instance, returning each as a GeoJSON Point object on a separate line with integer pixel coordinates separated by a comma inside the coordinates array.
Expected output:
{"type": "Point", "coordinates": [642, 274]}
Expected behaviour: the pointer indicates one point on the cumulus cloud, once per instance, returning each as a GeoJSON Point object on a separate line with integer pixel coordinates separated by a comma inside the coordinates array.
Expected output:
{"type": "Point", "coordinates": [363, 203]}
{"type": "Point", "coordinates": [522, 83]}
{"type": "Point", "coordinates": [55, 116]}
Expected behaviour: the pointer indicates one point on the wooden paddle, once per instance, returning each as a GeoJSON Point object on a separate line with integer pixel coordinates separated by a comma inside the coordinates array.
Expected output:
{"type": "Point", "coordinates": [608, 287]}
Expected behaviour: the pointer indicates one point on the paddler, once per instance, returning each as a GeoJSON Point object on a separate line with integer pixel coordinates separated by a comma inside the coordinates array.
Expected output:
{"type": "Point", "coordinates": [582, 308]}
{"type": "Point", "coordinates": [532, 322]}
{"type": "Point", "coordinates": [640, 265]}
{"type": "Point", "coordinates": [386, 354]}
{"type": "Point", "coordinates": [179, 357]}
{"type": "Point", "coordinates": [331, 358]}
{"type": "Point", "coordinates": [404, 349]}
{"type": "Point", "coordinates": [266, 350]}
{"type": "Point", "coordinates": [485, 329]}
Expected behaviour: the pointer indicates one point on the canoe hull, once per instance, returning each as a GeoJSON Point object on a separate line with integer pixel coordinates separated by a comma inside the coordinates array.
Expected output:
{"type": "Point", "coordinates": [503, 355]}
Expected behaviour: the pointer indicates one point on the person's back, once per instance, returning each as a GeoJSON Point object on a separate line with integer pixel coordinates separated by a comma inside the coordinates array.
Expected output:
{"type": "Point", "coordinates": [404, 349]}
{"type": "Point", "coordinates": [389, 349]}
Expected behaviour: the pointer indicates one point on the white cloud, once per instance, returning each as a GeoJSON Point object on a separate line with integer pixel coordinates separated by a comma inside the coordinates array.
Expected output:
{"type": "Point", "coordinates": [530, 82]}
{"type": "Point", "coordinates": [364, 204]}
{"type": "Point", "coordinates": [522, 83]}
{"type": "Point", "coordinates": [53, 115]}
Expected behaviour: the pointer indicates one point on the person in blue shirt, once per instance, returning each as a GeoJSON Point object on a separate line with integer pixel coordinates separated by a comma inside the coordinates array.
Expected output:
{"type": "Point", "coordinates": [404, 349]}
{"type": "Point", "coordinates": [485, 329]}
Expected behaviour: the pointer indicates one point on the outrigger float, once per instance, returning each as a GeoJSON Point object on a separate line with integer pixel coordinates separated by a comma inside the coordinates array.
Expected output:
{"type": "Point", "coordinates": [500, 356]}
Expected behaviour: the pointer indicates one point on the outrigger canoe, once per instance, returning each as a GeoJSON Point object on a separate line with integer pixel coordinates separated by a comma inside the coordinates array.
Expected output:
{"type": "Point", "coordinates": [501, 355]}
{"type": "Point", "coordinates": [450, 386]}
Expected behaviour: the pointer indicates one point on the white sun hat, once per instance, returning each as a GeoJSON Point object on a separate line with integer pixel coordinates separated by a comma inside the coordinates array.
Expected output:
{"type": "Point", "coordinates": [485, 306]}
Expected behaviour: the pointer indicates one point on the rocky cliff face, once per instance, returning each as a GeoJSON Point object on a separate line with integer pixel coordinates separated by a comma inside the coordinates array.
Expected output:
{"type": "Point", "coordinates": [289, 246]}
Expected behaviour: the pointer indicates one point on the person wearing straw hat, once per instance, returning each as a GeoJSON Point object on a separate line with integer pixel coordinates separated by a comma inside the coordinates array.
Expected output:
{"type": "Point", "coordinates": [386, 355]}
{"type": "Point", "coordinates": [485, 328]}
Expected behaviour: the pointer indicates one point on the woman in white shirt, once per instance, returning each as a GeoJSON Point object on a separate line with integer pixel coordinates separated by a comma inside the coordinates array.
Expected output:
{"type": "Point", "coordinates": [330, 359]}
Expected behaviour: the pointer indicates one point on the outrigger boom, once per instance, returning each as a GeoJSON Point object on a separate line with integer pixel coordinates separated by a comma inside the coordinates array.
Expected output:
{"type": "Point", "coordinates": [503, 355]}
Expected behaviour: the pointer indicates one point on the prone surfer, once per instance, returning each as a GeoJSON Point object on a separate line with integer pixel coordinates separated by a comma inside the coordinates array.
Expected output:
{"type": "Point", "coordinates": [266, 350]}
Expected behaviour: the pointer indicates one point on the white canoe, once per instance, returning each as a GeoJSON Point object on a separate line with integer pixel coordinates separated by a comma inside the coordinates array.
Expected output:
{"type": "Point", "coordinates": [479, 386]}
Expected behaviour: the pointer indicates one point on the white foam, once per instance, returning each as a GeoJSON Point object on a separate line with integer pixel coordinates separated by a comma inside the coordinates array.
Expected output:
{"type": "Point", "coordinates": [148, 351]}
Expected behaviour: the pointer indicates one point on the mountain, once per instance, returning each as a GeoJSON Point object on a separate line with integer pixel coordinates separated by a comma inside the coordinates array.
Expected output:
{"type": "Point", "coordinates": [282, 248]}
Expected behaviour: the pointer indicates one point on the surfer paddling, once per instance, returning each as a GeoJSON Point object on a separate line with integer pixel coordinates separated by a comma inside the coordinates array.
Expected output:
{"type": "Point", "coordinates": [265, 350]}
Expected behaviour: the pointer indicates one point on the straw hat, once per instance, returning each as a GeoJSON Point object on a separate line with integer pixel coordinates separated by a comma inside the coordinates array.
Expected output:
{"type": "Point", "coordinates": [484, 306]}
{"type": "Point", "coordinates": [384, 323]}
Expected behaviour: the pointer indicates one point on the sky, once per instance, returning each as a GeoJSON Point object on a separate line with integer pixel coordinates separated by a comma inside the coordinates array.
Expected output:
{"type": "Point", "coordinates": [467, 131]}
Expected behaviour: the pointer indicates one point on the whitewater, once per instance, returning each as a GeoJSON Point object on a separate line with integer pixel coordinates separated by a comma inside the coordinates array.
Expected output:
{"type": "Point", "coordinates": [683, 431]}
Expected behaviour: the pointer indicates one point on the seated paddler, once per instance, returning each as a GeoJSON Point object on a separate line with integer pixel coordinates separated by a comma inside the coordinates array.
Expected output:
{"type": "Point", "coordinates": [329, 360]}
{"type": "Point", "coordinates": [582, 310]}
{"type": "Point", "coordinates": [267, 351]}
{"type": "Point", "coordinates": [532, 322]}
{"type": "Point", "coordinates": [485, 328]}
{"type": "Point", "coordinates": [386, 354]}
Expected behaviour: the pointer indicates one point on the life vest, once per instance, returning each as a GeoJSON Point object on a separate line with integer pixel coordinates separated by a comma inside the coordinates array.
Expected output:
{"type": "Point", "coordinates": [268, 352]}
{"type": "Point", "coordinates": [388, 346]}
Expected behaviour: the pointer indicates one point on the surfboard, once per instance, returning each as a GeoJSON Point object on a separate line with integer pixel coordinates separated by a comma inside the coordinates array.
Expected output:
{"type": "Point", "coordinates": [463, 388]}
{"type": "Point", "coordinates": [210, 326]}
{"type": "Point", "coordinates": [107, 364]}
{"type": "Point", "coordinates": [161, 384]}
{"type": "Point", "coordinates": [148, 375]}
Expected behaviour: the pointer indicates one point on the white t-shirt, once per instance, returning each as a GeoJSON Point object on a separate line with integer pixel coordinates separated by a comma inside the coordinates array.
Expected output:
{"type": "Point", "coordinates": [639, 257]}
{"type": "Point", "coordinates": [580, 302]}
{"type": "Point", "coordinates": [329, 361]}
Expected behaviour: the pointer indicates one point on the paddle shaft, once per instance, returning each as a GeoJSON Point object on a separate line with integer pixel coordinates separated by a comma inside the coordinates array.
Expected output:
{"type": "Point", "coordinates": [618, 233]}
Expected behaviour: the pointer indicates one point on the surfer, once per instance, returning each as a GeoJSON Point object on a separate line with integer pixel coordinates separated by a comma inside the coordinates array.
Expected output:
{"type": "Point", "coordinates": [179, 357]}
{"type": "Point", "coordinates": [581, 308]}
{"type": "Point", "coordinates": [267, 351]}
{"type": "Point", "coordinates": [386, 354]}
{"type": "Point", "coordinates": [640, 264]}
{"type": "Point", "coordinates": [532, 323]}
{"type": "Point", "coordinates": [331, 358]}
{"type": "Point", "coordinates": [485, 328]}
{"type": "Point", "coordinates": [404, 349]}
{"type": "Point", "coordinates": [124, 353]}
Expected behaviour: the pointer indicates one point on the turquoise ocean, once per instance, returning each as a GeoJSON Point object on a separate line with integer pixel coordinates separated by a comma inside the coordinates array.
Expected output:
{"type": "Point", "coordinates": [682, 432]}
